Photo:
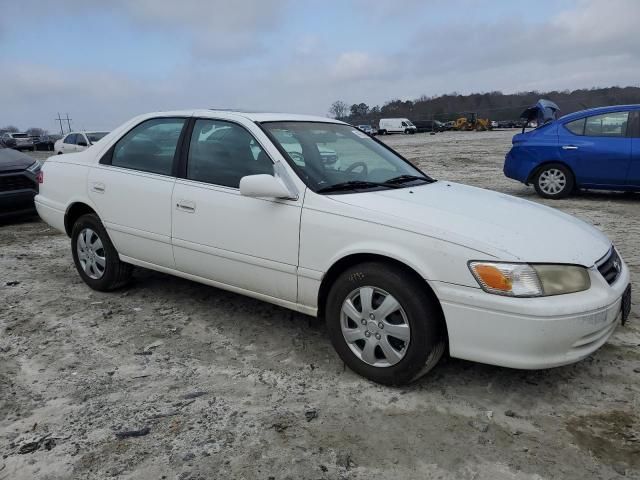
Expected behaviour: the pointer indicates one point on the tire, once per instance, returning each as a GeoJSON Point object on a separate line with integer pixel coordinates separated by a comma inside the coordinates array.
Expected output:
{"type": "Point", "coordinates": [113, 273]}
{"type": "Point", "coordinates": [418, 311]}
{"type": "Point", "coordinates": [59, 153]}
{"type": "Point", "coordinates": [554, 180]}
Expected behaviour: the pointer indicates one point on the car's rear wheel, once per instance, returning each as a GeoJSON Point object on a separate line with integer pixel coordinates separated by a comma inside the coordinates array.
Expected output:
{"type": "Point", "coordinates": [554, 180]}
{"type": "Point", "coordinates": [384, 325]}
{"type": "Point", "coordinates": [95, 257]}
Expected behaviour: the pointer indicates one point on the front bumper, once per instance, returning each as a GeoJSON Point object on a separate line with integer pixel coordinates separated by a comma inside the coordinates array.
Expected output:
{"type": "Point", "coordinates": [531, 333]}
{"type": "Point", "coordinates": [17, 202]}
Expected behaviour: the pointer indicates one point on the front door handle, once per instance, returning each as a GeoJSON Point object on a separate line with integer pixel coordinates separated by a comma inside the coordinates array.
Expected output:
{"type": "Point", "coordinates": [186, 206]}
{"type": "Point", "coordinates": [569, 147]}
{"type": "Point", "coordinates": [98, 187]}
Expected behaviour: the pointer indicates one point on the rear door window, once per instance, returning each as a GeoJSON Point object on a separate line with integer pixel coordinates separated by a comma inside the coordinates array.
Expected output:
{"type": "Point", "coordinates": [70, 139]}
{"type": "Point", "coordinates": [612, 124]}
{"type": "Point", "coordinates": [149, 147]}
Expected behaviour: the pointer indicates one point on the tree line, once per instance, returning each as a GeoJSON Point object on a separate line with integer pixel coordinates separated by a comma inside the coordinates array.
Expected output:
{"type": "Point", "coordinates": [493, 105]}
{"type": "Point", "coordinates": [33, 131]}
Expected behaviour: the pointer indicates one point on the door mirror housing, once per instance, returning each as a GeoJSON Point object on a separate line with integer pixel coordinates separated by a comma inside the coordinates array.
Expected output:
{"type": "Point", "coordinates": [264, 186]}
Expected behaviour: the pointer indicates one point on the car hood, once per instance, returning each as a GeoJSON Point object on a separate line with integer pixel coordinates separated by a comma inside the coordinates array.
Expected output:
{"type": "Point", "coordinates": [500, 225]}
{"type": "Point", "coordinates": [14, 160]}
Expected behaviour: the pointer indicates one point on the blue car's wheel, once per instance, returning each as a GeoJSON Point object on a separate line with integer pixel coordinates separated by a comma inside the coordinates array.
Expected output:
{"type": "Point", "coordinates": [554, 180]}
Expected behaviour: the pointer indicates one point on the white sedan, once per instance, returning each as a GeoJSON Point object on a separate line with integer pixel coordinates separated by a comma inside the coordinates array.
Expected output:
{"type": "Point", "coordinates": [402, 267]}
{"type": "Point", "coordinates": [77, 141]}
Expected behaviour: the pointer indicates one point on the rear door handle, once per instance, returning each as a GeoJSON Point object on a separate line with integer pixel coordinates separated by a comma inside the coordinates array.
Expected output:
{"type": "Point", "coordinates": [569, 147]}
{"type": "Point", "coordinates": [98, 187]}
{"type": "Point", "coordinates": [186, 206]}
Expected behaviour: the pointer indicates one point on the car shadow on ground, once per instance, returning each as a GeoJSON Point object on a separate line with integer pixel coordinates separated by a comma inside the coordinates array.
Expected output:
{"type": "Point", "coordinates": [19, 219]}
{"type": "Point", "coordinates": [459, 378]}
{"type": "Point", "coordinates": [600, 195]}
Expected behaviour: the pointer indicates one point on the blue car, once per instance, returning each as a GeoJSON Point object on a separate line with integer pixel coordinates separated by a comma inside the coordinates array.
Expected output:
{"type": "Point", "coordinates": [597, 148]}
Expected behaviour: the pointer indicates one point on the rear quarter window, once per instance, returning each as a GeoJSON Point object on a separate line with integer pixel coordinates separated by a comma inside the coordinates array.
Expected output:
{"type": "Point", "coordinates": [576, 127]}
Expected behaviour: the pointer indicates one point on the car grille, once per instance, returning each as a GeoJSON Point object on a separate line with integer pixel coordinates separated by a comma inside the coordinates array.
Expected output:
{"type": "Point", "coordinates": [9, 183]}
{"type": "Point", "coordinates": [610, 266]}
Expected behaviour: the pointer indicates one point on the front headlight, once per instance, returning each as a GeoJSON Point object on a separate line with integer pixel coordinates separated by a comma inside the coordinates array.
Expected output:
{"type": "Point", "coordinates": [34, 167]}
{"type": "Point", "coordinates": [525, 280]}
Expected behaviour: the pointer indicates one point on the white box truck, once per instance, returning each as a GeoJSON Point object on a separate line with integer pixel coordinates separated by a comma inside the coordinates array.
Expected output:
{"type": "Point", "coordinates": [395, 125]}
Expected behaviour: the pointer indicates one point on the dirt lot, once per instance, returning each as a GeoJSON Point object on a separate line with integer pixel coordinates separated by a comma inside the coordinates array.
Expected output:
{"type": "Point", "coordinates": [230, 387]}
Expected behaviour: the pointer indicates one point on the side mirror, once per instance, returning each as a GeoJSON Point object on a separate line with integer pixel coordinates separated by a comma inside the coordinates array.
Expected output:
{"type": "Point", "coordinates": [82, 144]}
{"type": "Point", "coordinates": [264, 186]}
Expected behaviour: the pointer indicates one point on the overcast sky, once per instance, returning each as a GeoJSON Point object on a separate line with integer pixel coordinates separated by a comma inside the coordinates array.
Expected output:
{"type": "Point", "coordinates": [106, 61]}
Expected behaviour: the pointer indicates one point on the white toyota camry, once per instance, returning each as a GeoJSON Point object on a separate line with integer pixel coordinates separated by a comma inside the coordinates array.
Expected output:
{"type": "Point", "coordinates": [402, 267]}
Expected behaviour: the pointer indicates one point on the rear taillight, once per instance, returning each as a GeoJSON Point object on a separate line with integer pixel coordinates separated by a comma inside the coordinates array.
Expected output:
{"type": "Point", "coordinates": [40, 177]}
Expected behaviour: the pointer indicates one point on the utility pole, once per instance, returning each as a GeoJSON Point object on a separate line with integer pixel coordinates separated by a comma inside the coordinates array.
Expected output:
{"type": "Point", "coordinates": [68, 122]}
{"type": "Point", "coordinates": [60, 120]}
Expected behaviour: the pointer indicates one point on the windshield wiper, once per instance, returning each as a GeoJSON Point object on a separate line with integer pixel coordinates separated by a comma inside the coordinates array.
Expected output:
{"type": "Point", "coordinates": [353, 185]}
{"type": "Point", "coordinates": [406, 178]}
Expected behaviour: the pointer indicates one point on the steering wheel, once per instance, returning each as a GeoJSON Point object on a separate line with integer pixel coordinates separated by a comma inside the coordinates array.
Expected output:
{"type": "Point", "coordinates": [353, 166]}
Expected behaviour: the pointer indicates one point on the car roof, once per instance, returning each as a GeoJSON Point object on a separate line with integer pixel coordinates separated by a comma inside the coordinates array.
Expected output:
{"type": "Point", "coordinates": [598, 110]}
{"type": "Point", "coordinates": [261, 116]}
{"type": "Point", "coordinates": [87, 131]}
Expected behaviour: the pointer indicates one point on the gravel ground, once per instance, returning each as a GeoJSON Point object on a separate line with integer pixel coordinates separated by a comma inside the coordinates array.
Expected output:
{"type": "Point", "coordinates": [222, 386]}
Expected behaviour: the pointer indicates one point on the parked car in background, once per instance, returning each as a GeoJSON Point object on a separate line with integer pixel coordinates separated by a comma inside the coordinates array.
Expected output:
{"type": "Point", "coordinates": [507, 124]}
{"type": "Point", "coordinates": [597, 148]}
{"type": "Point", "coordinates": [395, 125]}
{"type": "Point", "coordinates": [401, 267]}
{"type": "Point", "coordinates": [368, 129]}
{"type": "Point", "coordinates": [494, 124]}
{"type": "Point", "coordinates": [18, 182]}
{"type": "Point", "coordinates": [18, 141]}
{"type": "Point", "coordinates": [46, 142]}
{"type": "Point", "coordinates": [450, 125]}
{"type": "Point", "coordinates": [428, 126]}
{"type": "Point", "coordinates": [77, 141]}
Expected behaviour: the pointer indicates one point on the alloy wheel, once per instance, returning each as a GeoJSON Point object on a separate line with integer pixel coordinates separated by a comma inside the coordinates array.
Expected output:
{"type": "Point", "coordinates": [375, 326]}
{"type": "Point", "coordinates": [91, 253]}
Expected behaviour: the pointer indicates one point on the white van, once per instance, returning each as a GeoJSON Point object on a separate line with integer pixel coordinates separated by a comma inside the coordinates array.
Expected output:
{"type": "Point", "coordinates": [396, 125]}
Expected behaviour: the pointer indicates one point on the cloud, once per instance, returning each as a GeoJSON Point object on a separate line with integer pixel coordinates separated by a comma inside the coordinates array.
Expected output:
{"type": "Point", "coordinates": [227, 29]}
{"type": "Point", "coordinates": [354, 66]}
{"type": "Point", "coordinates": [243, 54]}
{"type": "Point", "coordinates": [219, 28]}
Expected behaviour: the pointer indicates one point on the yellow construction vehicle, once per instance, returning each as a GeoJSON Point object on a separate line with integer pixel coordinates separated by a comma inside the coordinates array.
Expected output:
{"type": "Point", "coordinates": [471, 122]}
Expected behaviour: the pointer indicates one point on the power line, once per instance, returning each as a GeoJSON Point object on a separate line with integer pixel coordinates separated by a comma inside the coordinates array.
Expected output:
{"type": "Point", "coordinates": [60, 120]}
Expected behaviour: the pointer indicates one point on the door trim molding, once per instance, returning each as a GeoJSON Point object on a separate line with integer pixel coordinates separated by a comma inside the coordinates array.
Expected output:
{"type": "Point", "coordinates": [224, 286]}
{"type": "Point", "coordinates": [235, 256]}
{"type": "Point", "coordinates": [156, 237]}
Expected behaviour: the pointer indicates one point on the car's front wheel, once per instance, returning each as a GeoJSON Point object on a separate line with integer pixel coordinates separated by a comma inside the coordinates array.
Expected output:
{"type": "Point", "coordinates": [384, 325]}
{"type": "Point", "coordinates": [554, 180]}
{"type": "Point", "coordinates": [95, 257]}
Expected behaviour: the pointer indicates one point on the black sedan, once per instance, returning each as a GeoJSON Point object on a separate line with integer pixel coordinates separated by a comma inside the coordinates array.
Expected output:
{"type": "Point", "coordinates": [18, 182]}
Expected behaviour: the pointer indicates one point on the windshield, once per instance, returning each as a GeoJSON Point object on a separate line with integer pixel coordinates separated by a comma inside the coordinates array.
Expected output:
{"type": "Point", "coordinates": [95, 136]}
{"type": "Point", "coordinates": [328, 154]}
{"type": "Point", "coordinates": [19, 135]}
